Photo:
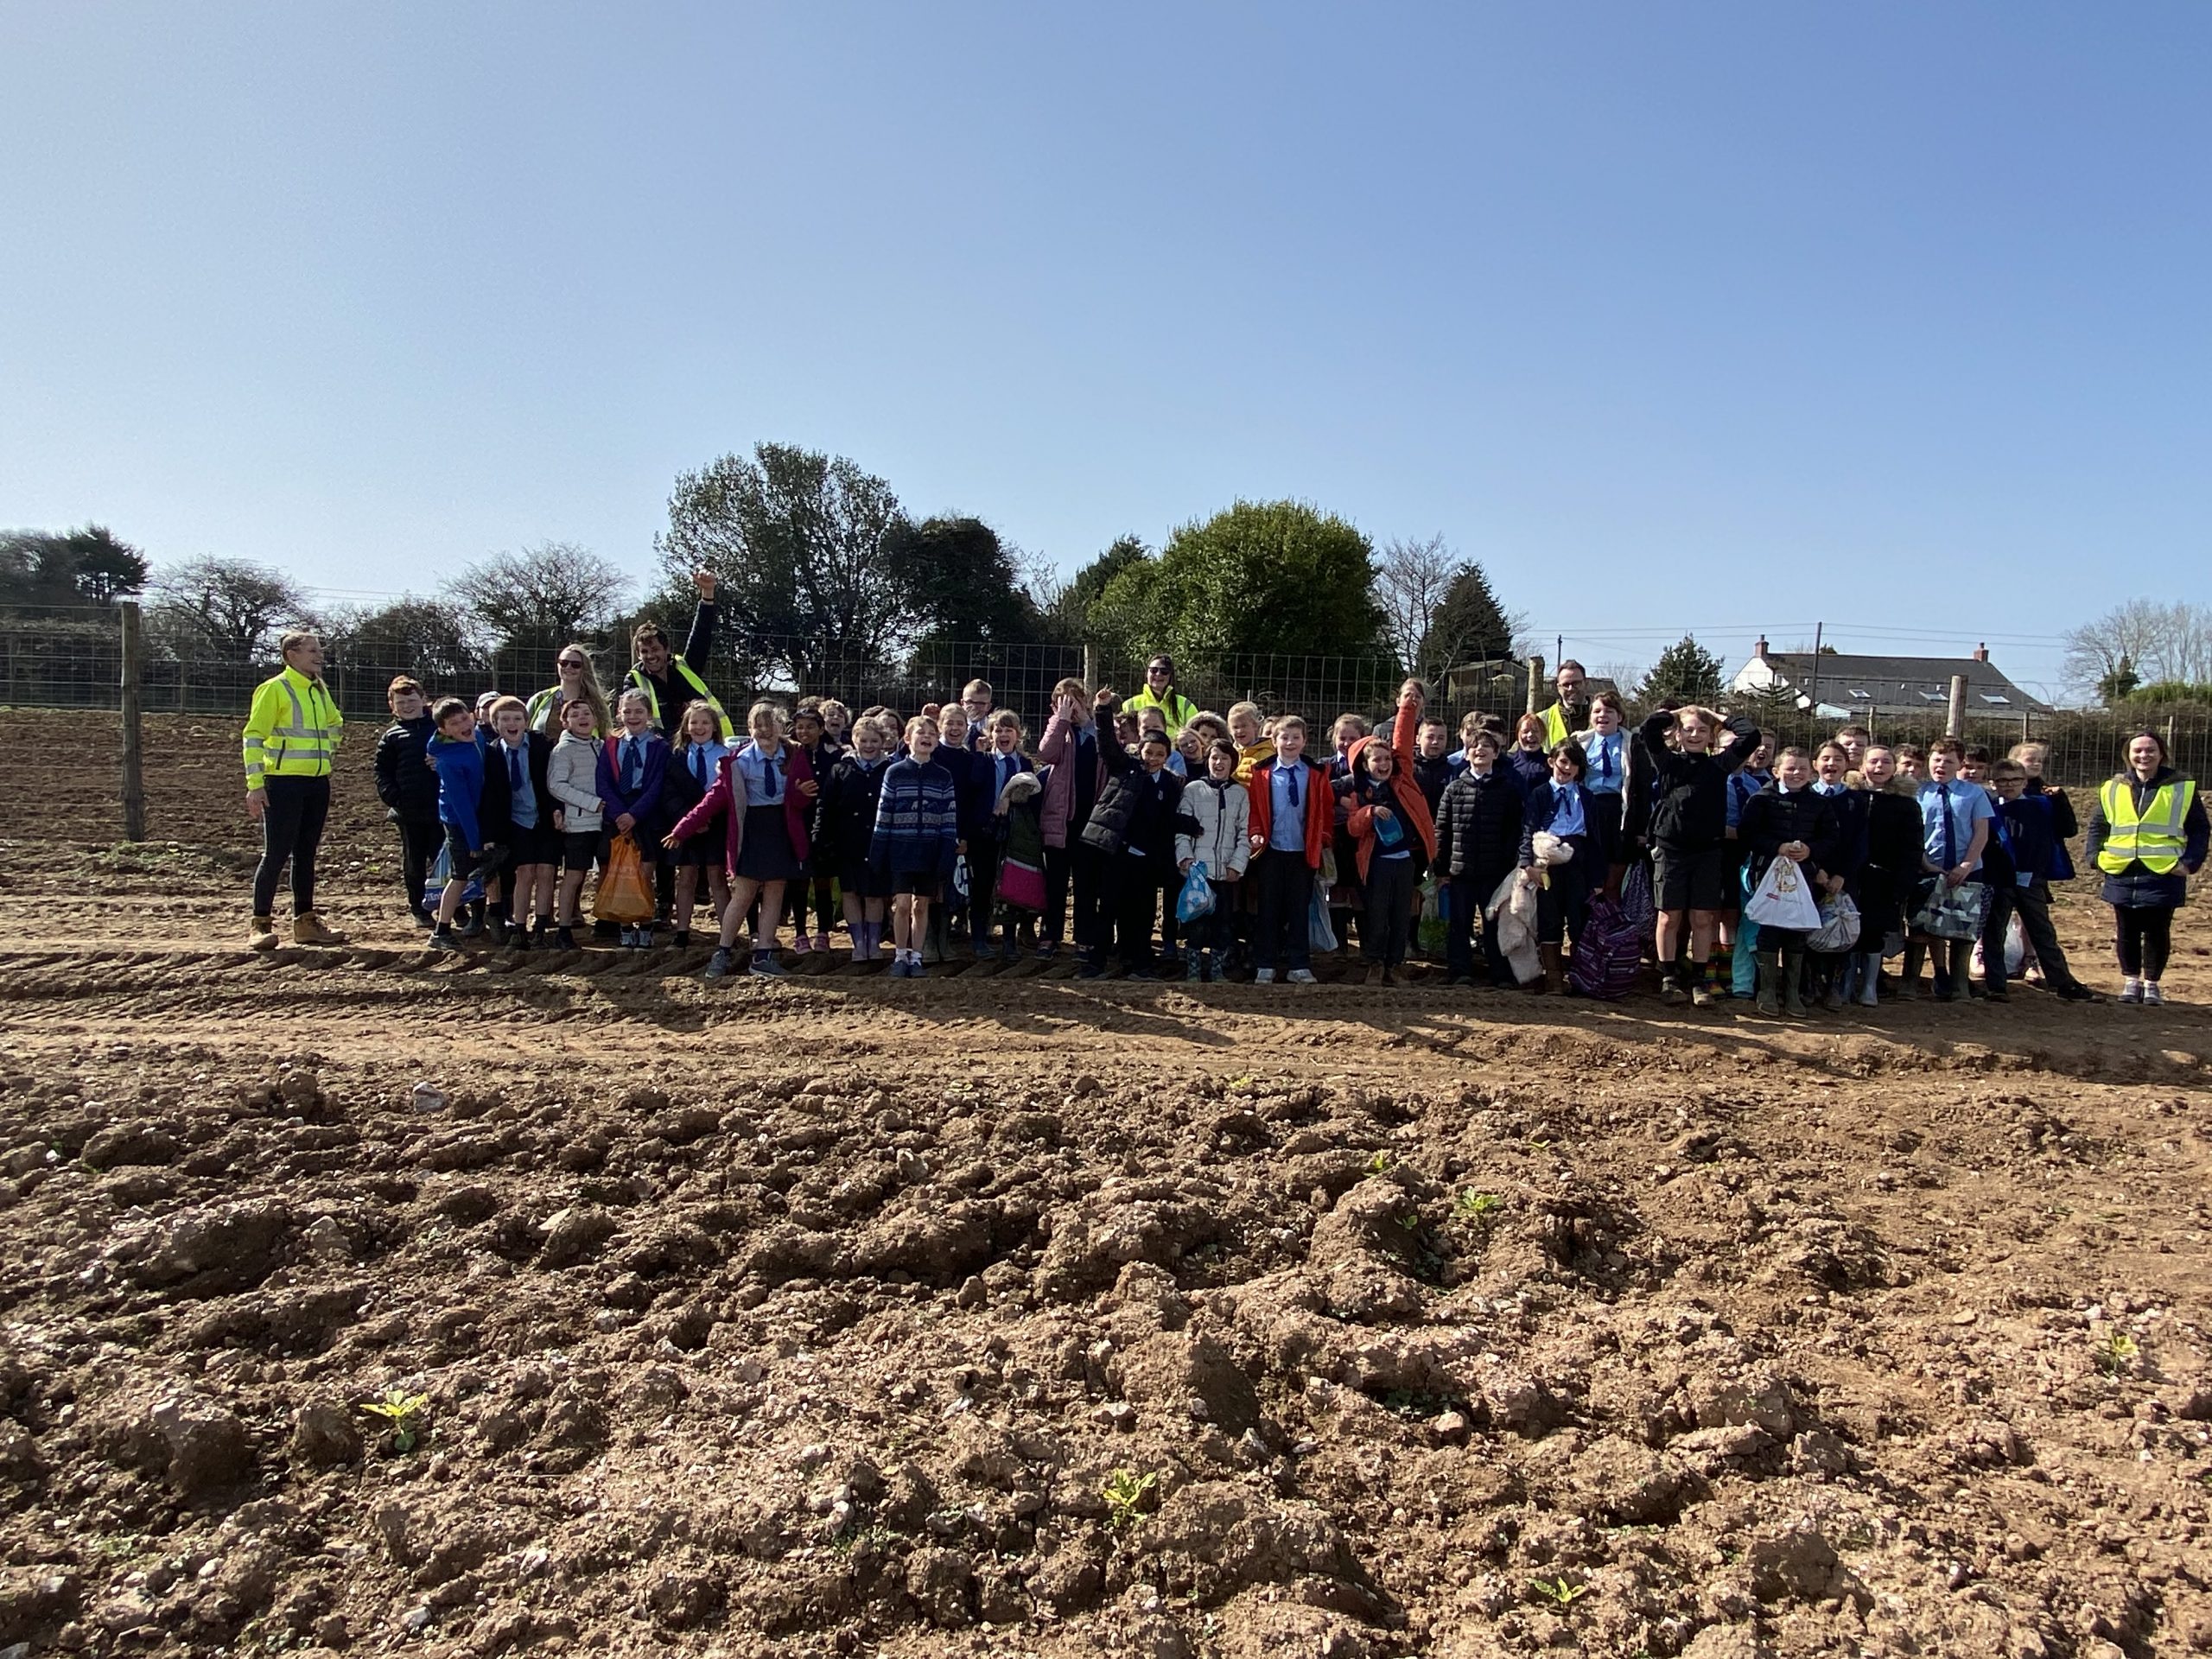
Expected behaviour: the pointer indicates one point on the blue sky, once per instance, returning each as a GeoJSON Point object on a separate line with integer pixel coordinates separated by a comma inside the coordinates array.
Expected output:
{"type": "Point", "coordinates": [1709, 316]}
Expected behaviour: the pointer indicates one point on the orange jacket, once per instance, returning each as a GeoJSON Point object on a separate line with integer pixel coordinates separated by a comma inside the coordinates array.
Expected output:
{"type": "Point", "coordinates": [1412, 806]}
{"type": "Point", "coordinates": [1321, 806]}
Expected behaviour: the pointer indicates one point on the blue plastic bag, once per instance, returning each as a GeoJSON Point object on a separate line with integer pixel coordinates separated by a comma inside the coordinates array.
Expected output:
{"type": "Point", "coordinates": [1196, 897]}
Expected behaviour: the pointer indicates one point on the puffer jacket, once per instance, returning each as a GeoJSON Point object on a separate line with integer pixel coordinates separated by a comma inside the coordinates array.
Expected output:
{"type": "Point", "coordinates": [1479, 832]}
{"type": "Point", "coordinates": [1058, 750]}
{"type": "Point", "coordinates": [408, 788]}
{"type": "Point", "coordinates": [1215, 828]}
{"type": "Point", "coordinates": [1692, 810]}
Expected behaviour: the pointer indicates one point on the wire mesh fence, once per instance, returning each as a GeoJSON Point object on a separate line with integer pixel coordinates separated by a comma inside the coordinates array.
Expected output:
{"type": "Point", "coordinates": [71, 658]}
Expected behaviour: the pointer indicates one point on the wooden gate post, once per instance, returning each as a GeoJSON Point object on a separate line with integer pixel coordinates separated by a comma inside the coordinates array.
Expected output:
{"type": "Point", "coordinates": [134, 783]}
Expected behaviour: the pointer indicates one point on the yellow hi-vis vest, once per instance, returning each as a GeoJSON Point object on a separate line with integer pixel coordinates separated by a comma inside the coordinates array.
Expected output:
{"type": "Point", "coordinates": [291, 731]}
{"type": "Point", "coordinates": [544, 711]}
{"type": "Point", "coordinates": [2153, 836]}
{"type": "Point", "coordinates": [636, 678]}
{"type": "Point", "coordinates": [1555, 731]}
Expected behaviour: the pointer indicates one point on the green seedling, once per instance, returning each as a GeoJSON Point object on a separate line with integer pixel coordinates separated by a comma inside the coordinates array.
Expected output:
{"type": "Point", "coordinates": [2115, 1352]}
{"type": "Point", "coordinates": [1126, 1492]}
{"type": "Point", "coordinates": [403, 1411]}
{"type": "Point", "coordinates": [1558, 1592]}
{"type": "Point", "coordinates": [1471, 1205]}
{"type": "Point", "coordinates": [1380, 1163]}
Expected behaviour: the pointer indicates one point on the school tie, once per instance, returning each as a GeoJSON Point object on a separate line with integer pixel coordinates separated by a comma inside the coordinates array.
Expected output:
{"type": "Point", "coordinates": [1950, 828]}
{"type": "Point", "coordinates": [699, 763]}
{"type": "Point", "coordinates": [632, 767]}
{"type": "Point", "coordinates": [514, 771]}
{"type": "Point", "coordinates": [1292, 778]}
{"type": "Point", "coordinates": [768, 776]}
{"type": "Point", "coordinates": [1604, 761]}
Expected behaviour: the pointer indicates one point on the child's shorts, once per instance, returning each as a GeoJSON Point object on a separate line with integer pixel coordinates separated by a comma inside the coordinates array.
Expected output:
{"type": "Point", "coordinates": [538, 844]}
{"type": "Point", "coordinates": [864, 880]}
{"type": "Point", "coordinates": [914, 881]}
{"type": "Point", "coordinates": [1694, 879]}
{"type": "Point", "coordinates": [579, 849]}
{"type": "Point", "coordinates": [461, 859]}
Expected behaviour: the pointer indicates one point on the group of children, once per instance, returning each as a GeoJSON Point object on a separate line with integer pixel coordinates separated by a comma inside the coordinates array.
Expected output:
{"type": "Point", "coordinates": [1153, 835]}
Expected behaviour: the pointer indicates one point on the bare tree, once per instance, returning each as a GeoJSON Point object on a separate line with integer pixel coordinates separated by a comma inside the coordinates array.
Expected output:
{"type": "Point", "coordinates": [545, 594]}
{"type": "Point", "coordinates": [230, 606]}
{"type": "Point", "coordinates": [1411, 580]}
{"type": "Point", "coordinates": [2160, 642]}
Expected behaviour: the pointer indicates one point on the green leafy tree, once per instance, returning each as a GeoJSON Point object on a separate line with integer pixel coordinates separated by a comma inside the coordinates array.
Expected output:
{"type": "Point", "coordinates": [961, 581]}
{"type": "Point", "coordinates": [797, 541]}
{"type": "Point", "coordinates": [1685, 670]}
{"type": "Point", "coordinates": [1469, 625]}
{"type": "Point", "coordinates": [2119, 682]}
{"type": "Point", "coordinates": [1068, 619]}
{"type": "Point", "coordinates": [88, 566]}
{"type": "Point", "coordinates": [1262, 577]}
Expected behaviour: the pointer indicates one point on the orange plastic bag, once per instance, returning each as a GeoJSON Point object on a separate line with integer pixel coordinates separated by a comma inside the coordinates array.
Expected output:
{"type": "Point", "coordinates": [625, 892]}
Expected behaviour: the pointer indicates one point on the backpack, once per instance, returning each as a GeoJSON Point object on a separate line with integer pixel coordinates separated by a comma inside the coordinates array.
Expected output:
{"type": "Point", "coordinates": [1607, 954]}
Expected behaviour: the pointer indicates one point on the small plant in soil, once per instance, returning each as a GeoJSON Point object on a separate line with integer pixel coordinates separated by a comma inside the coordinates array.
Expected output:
{"type": "Point", "coordinates": [1558, 1592]}
{"type": "Point", "coordinates": [1475, 1207]}
{"type": "Point", "coordinates": [1380, 1163]}
{"type": "Point", "coordinates": [401, 1412]}
{"type": "Point", "coordinates": [1126, 1492]}
{"type": "Point", "coordinates": [2115, 1352]}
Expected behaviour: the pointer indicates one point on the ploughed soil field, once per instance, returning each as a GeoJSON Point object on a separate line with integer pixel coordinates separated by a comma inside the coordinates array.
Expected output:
{"type": "Point", "coordinates": [1016, 1315]}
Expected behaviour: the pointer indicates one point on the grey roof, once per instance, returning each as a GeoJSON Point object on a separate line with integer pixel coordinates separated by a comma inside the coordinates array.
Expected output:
{"type": "Point", "coordinates": [1896, 684]}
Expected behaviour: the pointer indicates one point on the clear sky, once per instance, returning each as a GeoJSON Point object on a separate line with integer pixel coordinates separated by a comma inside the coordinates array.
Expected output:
{"type": "Point", "coordinates": [1710, 316]}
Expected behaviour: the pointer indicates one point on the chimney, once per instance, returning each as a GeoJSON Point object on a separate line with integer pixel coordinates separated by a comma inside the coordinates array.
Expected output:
{"type": "Point", "coordinates": [1981, 653]}
{"type": "Point", "coordinates": [1759, 649]}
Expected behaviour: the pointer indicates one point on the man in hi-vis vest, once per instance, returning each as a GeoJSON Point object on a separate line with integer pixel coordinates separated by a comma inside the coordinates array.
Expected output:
{"type": "Point", "coordinates": [667, 677]}
{"type": "Point", "coordinates": [291, 738]}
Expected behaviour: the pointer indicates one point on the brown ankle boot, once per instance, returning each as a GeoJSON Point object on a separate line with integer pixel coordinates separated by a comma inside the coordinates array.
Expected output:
{"type": "Point", "coordinates": [263, 935]}
{"type": "Point", "coordinates": [308, 929]}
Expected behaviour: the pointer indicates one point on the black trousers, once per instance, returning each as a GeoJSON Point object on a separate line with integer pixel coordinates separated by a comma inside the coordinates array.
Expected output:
{"type": "Point", "coordinates": [1388, 915]}
{"type": "Point", "coordinates": [1564, 900]}
{"type": "Point", "coordinates": [1462, 914]}
{"type": "Point", "coordinates": [2033, 903]}
{"type": "Point", "coordinates": [2145, 935]}
{"type": "Point", "coordinates": [418, 850]}
{"type": "Point", "coordinates": [1072, 875]}
{"type": "Point", "coordinates": [293, 811]}
{"type": "Point", "coordinates": [1137, 884]}
{"type": "Point", "coordinates": [983, 856]}
{"type": "Point", "coordinates": [1286, 883]}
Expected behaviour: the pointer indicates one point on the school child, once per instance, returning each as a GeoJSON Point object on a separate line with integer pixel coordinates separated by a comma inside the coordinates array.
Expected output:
{"type": "Point", "coordinates": [1912, 763]}
{"type": "Point", "coordinates": [997, 764]}
{"type": "Point", "coordinates": [1133, 829]}
{"type": "Point", "coordinates": [1254, 746]}
{"type": "Point", "coordinates": [578, 680]}
{"type": "Point", "coordinates": [1344, 892]}
{"type": "Point", "coordinates": [1073, 747]}
{"type": "Point", "coordinates": [2027, 826]}
{"type": "Point", "coordinates": [1211, 729]}
{"type": "Point", "coordinates": [916, 840]}
{"type": "Point", "coordinates": [976, 700]}
{"type": "Point", "coordinates": [1954, 817]}
{"type": "Point", "coordinates": [518, 813]}
{"type": "Point", "coordinates": [1842, 869]}
{"type": "Point", "coordinates": [1394, 838]}
{"type": "Point", "coordinates": [763, 798]}
{"type": "Point", "coordinates": [1737, 939]}
{"type": "Point", "coordinates": [1433, 761]}
{"type": "Point", "coordinates": [1527, 760]}
{"type": "Point", "coordinates": [572, 779]}
{"type": "Point", "coordinates": [693, 767]}
{"type": "Point", "coordinates": [1890, 876]}
{"type": "Point", "coordinates": [844, 828]}
{"type": "Point", "coordinates": [1472, 725]}
{"type": "Point", "coordinates": [1788, 819]}
{"type": "Point", "coordinates": [812, 736]}
{"type": "Point", "coordinates": [1289, 813]}
{"type": "Point", "coordinates": [2033, 756]}
{"type": "Point", "coordinates": [631, 766]}
{"type": "Point", "coordinates": [1188, 760]}
{"type": "Point", "coordinates": [408, 790]}
{"type": "Point", "coordinates": [1693, 869]}
{"type": "Point", "coordinates": [836, 724]}
{"type": "Point", "coordinates": [1215, 830]}
{"type": "Point", "coordinates": [1561, 807]}
{"type": "Point", "coordinates": [457, 751]}
{"type": "Point", "coordinates": [1604, 746]}
{"type": "Point", "coordinates": [2147, 833]}
{"type": "Point", "coordinates": [1021, 841]}
{"type": "Point", "coordinates": [949, 918]}
{"type": "Point", "coordinates": [1478, 845]}
{"type": "Point", "coordinates": [1854, 740]}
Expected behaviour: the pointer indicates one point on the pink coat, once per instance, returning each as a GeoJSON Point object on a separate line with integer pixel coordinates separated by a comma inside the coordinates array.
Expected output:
{"type": "Point", "coordinates": [727, 796]}
{"type": "Point", "coordinates": [1058, 751]}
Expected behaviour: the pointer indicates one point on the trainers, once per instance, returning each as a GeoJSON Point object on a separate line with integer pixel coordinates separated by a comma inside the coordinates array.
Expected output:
{"type": "Point", "coordinates": [1700, 996]}
{"type": "Point", "coordinates": [822, 943]}
{"type": "Point", "coordinates": [915, 969]}
{"type": "Point", "coordinates": [1265, 977]}
{"type": "Point", "coordinates": [1300, 977]}
{"type": "Point", "coordinates": [442, 939]}
{"type": "Point", "coordinates": [308, 929]}
{"type": "Point", "coordinates": [801, 945]}
{"type": "Point", "coordinates": [2076, 993]}
{"type": "Point", "coordinates": [645, 939]}
{"type": "Point", "coordinates": [1090, 971]}
{"type": "Point", "coordinates": [2151, 996]}
{"type": "Point", "coordinates": [1389, 977]}
{"type": "Point", "coordinates": [717, 964]}
{"type": "Point", "coordinates": [1669, 990]}
{"type": "Point", "coordinates": [1050, 949]}
{"type": "Point", "coordinates": [261, 936]}
{"type": "Point", "coordinates": [680, 938]}
{"type": "Point", "coordinates": [2131, 991]}
{"type": "Point", "coordinates": [763, 962]}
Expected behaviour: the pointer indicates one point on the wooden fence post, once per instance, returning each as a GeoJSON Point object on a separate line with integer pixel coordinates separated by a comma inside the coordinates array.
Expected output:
{"type": "Point", "coordinates": [1954, 721]}
{"type": "Point", "coordinates": [134, 783]}
{"type": "Point", "coordinates": [1091, 666]}
{"type": "Point", "coordinates": [1535, 683]}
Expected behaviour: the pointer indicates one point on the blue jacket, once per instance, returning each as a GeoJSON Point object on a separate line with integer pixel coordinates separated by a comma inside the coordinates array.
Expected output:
{"type": "Point", "coordinates": [645, 804]}
{"type": "Point", "coordinates": [461, 785]}
{"type": "Point", "coordinates": [916, 820]}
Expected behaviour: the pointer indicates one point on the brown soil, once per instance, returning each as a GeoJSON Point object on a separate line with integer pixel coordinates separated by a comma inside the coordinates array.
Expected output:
{"type": "Point", "coordinates": [848, 1316]}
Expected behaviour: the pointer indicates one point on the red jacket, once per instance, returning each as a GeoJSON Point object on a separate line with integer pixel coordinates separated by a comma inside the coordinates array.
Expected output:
{"type": "Point", "coordinates": [1405, 789]}
{"type": "Point", "coordinates": [1321, 806]}
{"type": "Point", "coordinates": [727, 796]}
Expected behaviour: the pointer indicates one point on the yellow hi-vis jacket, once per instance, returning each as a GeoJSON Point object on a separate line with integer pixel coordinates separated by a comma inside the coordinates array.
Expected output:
{"type": "Point", "coordinates": [291, 731]}
{"type": "Point", "coordinates": [636, 678]}
{"type": "Point", "coordinates": [2154, 835]}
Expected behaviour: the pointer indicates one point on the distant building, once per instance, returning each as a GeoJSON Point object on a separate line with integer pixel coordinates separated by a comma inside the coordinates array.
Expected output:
{"type": "Point", "coordinates": [1832, 686]}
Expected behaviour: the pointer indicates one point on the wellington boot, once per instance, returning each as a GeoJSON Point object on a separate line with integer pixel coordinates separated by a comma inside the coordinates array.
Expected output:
{"type": "Point", "coordinates": [1769, 998]}
{"type": "Point", "coordinates": [1554, 973]}
{"type": "Point", "coordinates": [1793, 970]}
